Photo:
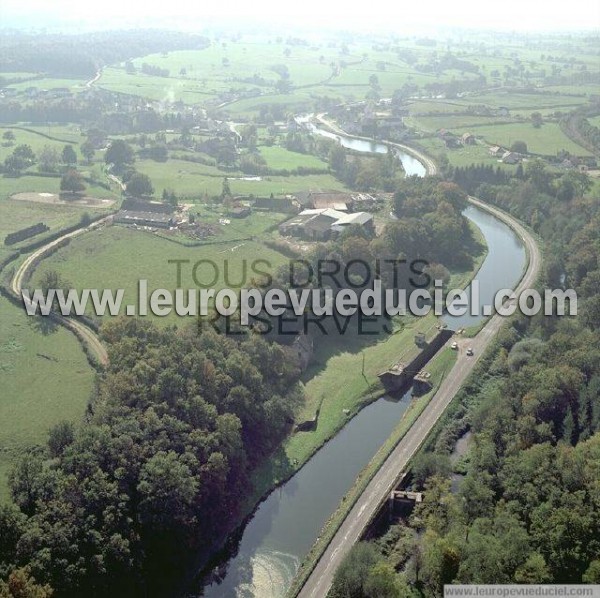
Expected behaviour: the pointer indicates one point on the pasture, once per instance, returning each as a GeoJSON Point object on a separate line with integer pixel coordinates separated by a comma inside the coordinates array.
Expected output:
{"type": "Point", "coordinates": [545, 140]}
{"type": "Point", "coordinates": [16, 215]}
{"type": "Point", "coordinates": [281, 158]}
{"type": "Point", "coordinates": [117, 257]}
{"type": "Point", "coordinates": [45, 379]}
{"type": "Point", "coordinates": [192, 181]}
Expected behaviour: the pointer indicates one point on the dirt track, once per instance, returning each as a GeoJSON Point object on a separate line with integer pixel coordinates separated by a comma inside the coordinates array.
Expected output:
{"type": "Point", "coordinates": [85, 334]}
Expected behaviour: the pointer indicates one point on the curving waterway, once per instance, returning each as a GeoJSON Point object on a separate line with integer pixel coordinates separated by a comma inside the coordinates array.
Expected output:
{"type": "Point", "coordinates": [283, 528]}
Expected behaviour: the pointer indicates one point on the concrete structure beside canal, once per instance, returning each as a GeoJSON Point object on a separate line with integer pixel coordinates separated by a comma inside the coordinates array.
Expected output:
{"type": "Point", "coordinates": [410, 365]}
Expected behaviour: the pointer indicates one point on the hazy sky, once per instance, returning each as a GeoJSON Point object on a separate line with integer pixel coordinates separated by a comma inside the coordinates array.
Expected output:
{"type": "Point", "coordinates": [404, 17]}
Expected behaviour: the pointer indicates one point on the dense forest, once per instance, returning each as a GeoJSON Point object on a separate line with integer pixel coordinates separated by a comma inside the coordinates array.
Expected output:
{"type": "Point", "coordinates": [82, 55]}
{"type": "Point", "coordinates": [528, 508]}
{"type": "Point", "coordinates": [120, 505]}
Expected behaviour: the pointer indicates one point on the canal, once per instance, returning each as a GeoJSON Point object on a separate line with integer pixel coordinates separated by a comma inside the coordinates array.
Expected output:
{"type": "Point", "coordinates": [285, 525]}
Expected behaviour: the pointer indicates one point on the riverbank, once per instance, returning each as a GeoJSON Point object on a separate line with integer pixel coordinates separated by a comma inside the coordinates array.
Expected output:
{"type": "Point", "coordinates": [428, 163]}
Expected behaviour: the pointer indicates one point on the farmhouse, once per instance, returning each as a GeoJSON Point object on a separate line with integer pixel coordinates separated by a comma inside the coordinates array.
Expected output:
{"type": "Point", "coordinates": [450, 139]}
{"type": "Point", "coordinates": [496, 151]}
{"type": "Point", "coordinates": [239, 212]}
{"type": "Point", "coordinates": [468, 139]}
{"type": "Point", "coordinates": [511, 158]}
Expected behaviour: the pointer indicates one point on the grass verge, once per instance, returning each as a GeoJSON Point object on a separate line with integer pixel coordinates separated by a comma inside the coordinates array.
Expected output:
{"type": "Point", "coordinates": [438, 367]}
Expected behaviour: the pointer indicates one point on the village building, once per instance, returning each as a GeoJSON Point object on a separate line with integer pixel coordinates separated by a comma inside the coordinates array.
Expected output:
{"type": "Point", "coordinates": [496, 151]}
{"type": "Point", "coordinates": [450, 139]}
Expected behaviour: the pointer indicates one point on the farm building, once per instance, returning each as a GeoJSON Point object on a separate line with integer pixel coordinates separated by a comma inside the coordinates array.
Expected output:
{"type": "Point", "coordinates": [285, 204]}
{"type": "Point", "coordinates": [363, 219]}
{"type": "Point", "coordinates": [322, 224]}
{"type": "Point", "coordinates": [332, 200]}
{"type": "Point", "coordinates": [312, 227]}
{"type": "Point", "coordinates": [153, 219]}
{"type": "Point", "coordinates": [450, 139]}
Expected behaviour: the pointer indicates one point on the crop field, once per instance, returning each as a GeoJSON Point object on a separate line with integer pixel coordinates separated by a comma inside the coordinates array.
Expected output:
{"type": "Point", "coordinates": [463, 122]}
{"type": "Point", "coordinates": [297, 101]}
{"type": "Point", "coordinates": [117, 257]}
{"type": "Point", "coordinates": [461, 156]}
{"type": "Point", "coordinates": [154, 88]}
{"type": "Point", "coordinates": [198, 75]}
{"type": "Point", "coordinates": [46, 379]}
{"type": "Point", "coordinates": [523, 101]}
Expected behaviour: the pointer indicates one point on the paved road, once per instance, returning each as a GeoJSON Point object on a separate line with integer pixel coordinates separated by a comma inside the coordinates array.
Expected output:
{"type": "Point", "coordinates": [319, 582]}
{"type": "Point", "coordinates": [81, 330]}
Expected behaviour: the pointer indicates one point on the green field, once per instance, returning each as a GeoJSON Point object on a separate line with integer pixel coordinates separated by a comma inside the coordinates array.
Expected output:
{"type": "Point", "coordinates": [461, 156]}
{"type": "Point", "coordinates": [595, 120]}
{"type": "Point", "coordinates": [38, 138]}
{"type": "Point", "coordinates": [16, 215]}
{"type": "Point", "coordinates": [281, 158]}
{"type": "Point", "coordinates": [117, 257]}
{"type": "Point", "coordinates": [39, 184]}
{"type": "Point", "coordinates": [193, 181]}
{"type": "Point", "coordinates": [335, 382]}
{"type": "Point", "coordinates": [45, 379]}
{"type": "Point", "coordinates": [547, 140]}
{"type": "Point", "coordinates": [465, 122]}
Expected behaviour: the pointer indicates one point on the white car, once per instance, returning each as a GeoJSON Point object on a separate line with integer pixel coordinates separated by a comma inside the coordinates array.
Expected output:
{"type": "Point", "coordinates": [454, 346]}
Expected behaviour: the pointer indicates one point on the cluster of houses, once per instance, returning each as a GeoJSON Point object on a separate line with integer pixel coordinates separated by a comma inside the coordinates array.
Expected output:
{"type": "Point", "coordinates": [316, 216]}
{"type": "Point", "coordinates": [451, 140]}
{"type": "Point", "coordinates": [372, 120]}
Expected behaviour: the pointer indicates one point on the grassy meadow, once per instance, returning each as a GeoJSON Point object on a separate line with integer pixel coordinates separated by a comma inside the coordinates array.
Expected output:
{"type": "Point", "coordinates": [117, 257]}
{"type": "Point", "coordinates": [45, 379]}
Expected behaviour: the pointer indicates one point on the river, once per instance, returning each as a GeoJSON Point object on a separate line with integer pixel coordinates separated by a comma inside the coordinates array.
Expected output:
{"type": "Point", "coordinates": [287, 523]}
